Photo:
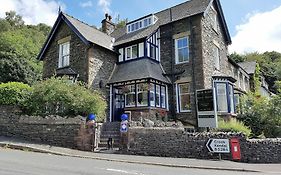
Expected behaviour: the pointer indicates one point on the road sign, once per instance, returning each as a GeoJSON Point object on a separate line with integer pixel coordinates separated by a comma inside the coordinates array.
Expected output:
{"type": "Point", "coordinates": [218, 145]}
{"type": "Point", "coordinates": [124, 126]}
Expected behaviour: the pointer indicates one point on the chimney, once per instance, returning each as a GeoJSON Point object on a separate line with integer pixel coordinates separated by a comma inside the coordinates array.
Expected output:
{"type": "Point", "coordinates": [107, 25]}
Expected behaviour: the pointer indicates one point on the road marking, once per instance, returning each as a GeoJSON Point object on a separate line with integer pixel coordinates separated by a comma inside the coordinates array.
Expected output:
{"type": "Point", "coordinates": [123, 171]}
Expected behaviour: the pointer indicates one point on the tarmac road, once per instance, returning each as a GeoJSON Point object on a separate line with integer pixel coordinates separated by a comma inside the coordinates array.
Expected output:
{"type": "Point", "coordinates": [13, 162]}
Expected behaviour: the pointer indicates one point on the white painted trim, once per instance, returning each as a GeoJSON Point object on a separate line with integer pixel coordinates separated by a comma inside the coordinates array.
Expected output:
{"type": "Point", "coordinates": [167, 98]}
{"type": "Point", "coordinates": [177, 98]}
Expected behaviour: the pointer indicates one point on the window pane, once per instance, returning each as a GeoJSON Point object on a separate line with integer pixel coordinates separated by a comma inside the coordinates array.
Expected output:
{"type": "Point", "coordinates": [129, 52]}
{"type": "Point", "coordinates": [231, 98]}
{"type": "Point", "coordinates": [151, 95]}
{"type": "Point", "coordinates": [134, 51]}
{"type": "Point", "coordinates": [184, 88]}
{"type": "Point", "coordinates": [180, 43]}
{"type": "Point", "coordinates": [163, 97]}
{"type": "Point", "coordinates": [142, 94]}
{"type": "Point", "coordinates": [221, 97]}
{"type": "Point", "coordinates": [185, 54]}
{"type": "Point", "coordinates": [130, 95]}
{"type": "Point", "coordinates": [157, 96]}
{"type": "Point", "coordinates": [184, 42]}
{"type": "Point", "coordinates": [152, 51]}
{"type": "Point", "coordinates": [185, 102]}
{"type": "Point", "coordinates": [184, 97]}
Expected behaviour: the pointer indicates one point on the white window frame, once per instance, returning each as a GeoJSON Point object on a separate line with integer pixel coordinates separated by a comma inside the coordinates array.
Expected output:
{"type": "Point", "coordinates": [179, 94]}
{"type": "Point", "coordinates": [158, 87]}
{"type": "Point", "coordinates": [129, 54]}
{"type": "Point", "coordinates": [64, 59]}
{"type": "Point", "coordinates": [177, 50]}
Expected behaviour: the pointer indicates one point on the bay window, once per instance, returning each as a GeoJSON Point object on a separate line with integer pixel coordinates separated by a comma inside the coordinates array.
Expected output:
{"type": "Point", "coordinates": [184, 102]}
{"type": "Point", "coordinates": [225, 97]}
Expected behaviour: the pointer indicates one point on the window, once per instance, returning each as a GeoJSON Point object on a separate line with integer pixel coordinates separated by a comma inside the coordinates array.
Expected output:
{"type": "Point", "coordinates": [152, 51]}
{"type": "Point", "coordinates": [163, 97]}
{"type": "Point", "coordinates": [142, 23]}
{"type": "Point", "coordinates": [221, 97]}
{"type": "Point", "coordinates": [184, 101]}
{"type": "Point", "coordinates": [157, 96]}
{"type": "Point", "coordinates": [142, 96]}
{"type": "Point", "coordinates": [237, 103]}
{"type": "Point", "coordinates": [231, 98]}
{"type": "Point", "coordinates": [131, 52]}
{"type": "Point", "coordinates": [64, 54]}
{"type": "Point", "coordinates": [130, 96]}
{"type": "Point", "coordinates": [217, 57]}
{"type": "Point", "coordinates": [152, 95]}
{"type": "Point", "coordinates": [182, 50]}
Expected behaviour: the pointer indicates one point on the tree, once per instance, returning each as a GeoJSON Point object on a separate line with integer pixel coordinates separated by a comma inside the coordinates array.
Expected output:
{"type": "Point", "coordinates": [14, 19]}
{"type": "Point", "coordinates": [237, 58]}
{"type": "Point", "coordinates": [19, 47]}
{"type": "Point", "coordinates": [120, 23]}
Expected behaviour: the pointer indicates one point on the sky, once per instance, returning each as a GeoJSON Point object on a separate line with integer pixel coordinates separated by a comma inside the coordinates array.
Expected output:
{"type": "Point", "coordinates": [254, 25]}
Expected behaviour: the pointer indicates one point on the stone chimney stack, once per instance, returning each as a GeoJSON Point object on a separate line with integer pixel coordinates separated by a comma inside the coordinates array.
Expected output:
{"type": "Point", "coordinates": [107, 25]}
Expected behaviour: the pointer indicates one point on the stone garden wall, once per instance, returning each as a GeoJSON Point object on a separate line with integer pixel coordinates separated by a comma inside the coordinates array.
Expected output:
{"type": "Point", "coordinates": [175, 142]}
{"type": "Point", "coordinates": [52, 130]}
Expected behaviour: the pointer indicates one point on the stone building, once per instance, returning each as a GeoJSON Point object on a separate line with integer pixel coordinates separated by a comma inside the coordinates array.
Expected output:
{"type": "Point", "coordinates": [155, 66]}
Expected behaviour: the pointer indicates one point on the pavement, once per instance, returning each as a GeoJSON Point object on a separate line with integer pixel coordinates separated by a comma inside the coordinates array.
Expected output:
{"type": "Point", "coordinates": [109, 155]}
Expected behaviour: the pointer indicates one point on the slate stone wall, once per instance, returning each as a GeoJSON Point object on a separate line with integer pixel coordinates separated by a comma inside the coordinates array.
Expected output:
{"type": "Point", "coordinates": [52, 130]}
{"type": "Point", "coordinates": [175, 142]}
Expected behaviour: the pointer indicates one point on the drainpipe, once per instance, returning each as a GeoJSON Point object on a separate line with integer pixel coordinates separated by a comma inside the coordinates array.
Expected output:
{"type": "Point", "coordinates": [191, 29]}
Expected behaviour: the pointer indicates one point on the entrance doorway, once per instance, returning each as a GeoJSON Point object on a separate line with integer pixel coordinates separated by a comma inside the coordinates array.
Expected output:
{"type": "Point", "coordinates": [119, 103]}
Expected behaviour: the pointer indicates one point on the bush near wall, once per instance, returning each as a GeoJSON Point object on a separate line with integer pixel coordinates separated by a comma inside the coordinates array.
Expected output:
{"type": "Point", "coordinates": [59, 96]}
{"type": "Point", "coordinates": [233, 125]}
{"type": "Point", "coordinates": [14, 93]}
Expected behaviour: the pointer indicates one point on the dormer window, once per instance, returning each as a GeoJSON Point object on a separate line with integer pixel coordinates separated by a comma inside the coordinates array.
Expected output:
{"type": "Point", "coordinates": [142, 23]}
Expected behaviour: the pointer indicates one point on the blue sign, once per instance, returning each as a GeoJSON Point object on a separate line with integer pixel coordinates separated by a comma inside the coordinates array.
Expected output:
{"type": "Point", "coordinates": [124, 126]}
{"type": "Point", "coordinates": [124, 117]}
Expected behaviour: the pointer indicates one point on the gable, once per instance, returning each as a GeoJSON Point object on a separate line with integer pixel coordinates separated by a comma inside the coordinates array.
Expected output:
{"type": "Point", "coordinates": [217, 6]}
{"type": "Point", "coordinates": [87, 34]}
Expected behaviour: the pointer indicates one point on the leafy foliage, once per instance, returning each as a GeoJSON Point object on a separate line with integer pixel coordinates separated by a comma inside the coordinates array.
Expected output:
{"type": "Point", "coordinates": [262, 115]}
{"type": "Point", "coordinates": [234, 125]}
{"type": "Point", "coordinates": [60, 96]}
{"type": "Point", "coordinates": [19, 47]}
{"type": "Point", "coordinates": [14, 93]}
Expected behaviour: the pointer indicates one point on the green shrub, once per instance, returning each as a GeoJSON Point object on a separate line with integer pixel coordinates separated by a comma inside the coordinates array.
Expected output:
{"type": "Point", "coordinates": [14, 93]}
{"type": "Point", "coordinates": [233, 126]}
{"type": "Point", "coordinates": [61, 97]}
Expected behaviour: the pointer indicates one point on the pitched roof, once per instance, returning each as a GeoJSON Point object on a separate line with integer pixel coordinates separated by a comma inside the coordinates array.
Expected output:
{"type": "Point", "coordinates": [88, 34]}
{"type": "Point", "coordinates": [178, 12]}
{"type": "Point", "coordinates": [248, 66]}
{"type": "Point", "coordinates": [136, 70]}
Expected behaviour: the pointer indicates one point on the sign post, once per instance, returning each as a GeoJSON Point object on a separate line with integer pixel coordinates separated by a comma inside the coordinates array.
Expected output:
{"type": "Point", "coordinates": [207, 116]}
{"type": "Point", "coordinates": [218, 145]}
